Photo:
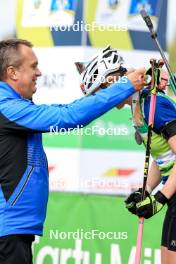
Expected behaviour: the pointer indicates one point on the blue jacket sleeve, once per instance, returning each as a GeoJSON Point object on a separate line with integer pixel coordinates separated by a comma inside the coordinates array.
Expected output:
{"type": "Point", "coordinates": [81, 112]}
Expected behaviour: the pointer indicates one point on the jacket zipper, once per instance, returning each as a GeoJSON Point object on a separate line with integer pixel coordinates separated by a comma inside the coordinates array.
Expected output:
{"type": "Point", "coordinates": [22, 188]}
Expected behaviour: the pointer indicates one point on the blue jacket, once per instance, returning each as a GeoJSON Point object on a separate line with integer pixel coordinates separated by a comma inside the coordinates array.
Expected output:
{"type": "Point", "coordinates": [23, 163]}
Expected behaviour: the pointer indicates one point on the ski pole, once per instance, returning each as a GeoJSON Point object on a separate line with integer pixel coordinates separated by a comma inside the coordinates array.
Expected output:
{"type": "Point", "coordinates": [155, 67]}
{"type": "Point", "coordinates": [153, 34]}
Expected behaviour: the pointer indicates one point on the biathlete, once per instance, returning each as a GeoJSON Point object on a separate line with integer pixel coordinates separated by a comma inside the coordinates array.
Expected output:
{"type": "Point", "coordinates": [163, 148]}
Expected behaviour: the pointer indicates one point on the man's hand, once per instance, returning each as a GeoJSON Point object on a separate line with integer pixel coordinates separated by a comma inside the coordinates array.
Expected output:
{"type": "Point", "coordinates": [133, 199]}
{"type": "Point", "coordinates": [151, 205]}
{"type": "Point", "coordinates": [137, 78]}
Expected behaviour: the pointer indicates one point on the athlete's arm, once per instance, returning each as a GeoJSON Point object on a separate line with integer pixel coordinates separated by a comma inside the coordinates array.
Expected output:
{"type": "Point", "coordinates": [170, 186]}
{"type": "Point", "coordinates": [172, 143]}
{"type": "Point", "coordinates": [153, 178]}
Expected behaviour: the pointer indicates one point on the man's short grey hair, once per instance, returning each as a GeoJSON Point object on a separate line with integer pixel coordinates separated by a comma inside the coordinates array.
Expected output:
{"type": "Point", "coordinates": [10, 54]}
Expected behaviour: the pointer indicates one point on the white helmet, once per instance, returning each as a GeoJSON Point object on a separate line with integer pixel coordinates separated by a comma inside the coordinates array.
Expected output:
{"type": "Point", "coordinates": [94, 74]}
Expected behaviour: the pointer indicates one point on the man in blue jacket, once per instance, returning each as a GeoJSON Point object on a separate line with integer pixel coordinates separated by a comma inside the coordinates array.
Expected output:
{"type": "Point", "coordinates": [23, 163]}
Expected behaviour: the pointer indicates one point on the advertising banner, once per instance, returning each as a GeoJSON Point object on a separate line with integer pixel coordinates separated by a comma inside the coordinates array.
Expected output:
{"type": "Point", "coordinates": [95, 171]}
{"type": "Point", "coordinates": [100, 158]}
{"type": "Point", "coordinates": [92, 229]}
{"type": "Point", "coordinates": [46, 13]}
{"type": "Point", "coordinates": [126, 13]}
{"type": "Point", "coordinates": [59, 82]}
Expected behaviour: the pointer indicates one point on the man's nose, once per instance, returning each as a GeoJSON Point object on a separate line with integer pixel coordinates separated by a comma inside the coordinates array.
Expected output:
{"type": "Point", "coordinates": [38, 72]}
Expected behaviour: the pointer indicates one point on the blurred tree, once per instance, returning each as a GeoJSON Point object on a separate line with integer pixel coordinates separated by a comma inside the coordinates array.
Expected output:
{"type": "Point", "coordinates": [172, 59]}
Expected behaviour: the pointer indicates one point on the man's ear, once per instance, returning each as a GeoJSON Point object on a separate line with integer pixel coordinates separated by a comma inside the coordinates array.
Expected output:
{"type": "Point", "coordinates": [80, 67]}
{"type": "Point", "coordinates": [11, 73]}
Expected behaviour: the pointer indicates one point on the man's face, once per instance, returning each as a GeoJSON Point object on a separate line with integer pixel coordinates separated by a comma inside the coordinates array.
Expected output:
{"type": "Point", "coordinates": [27, 72]}
{"type": "Point", "coordinates": [164, 80]}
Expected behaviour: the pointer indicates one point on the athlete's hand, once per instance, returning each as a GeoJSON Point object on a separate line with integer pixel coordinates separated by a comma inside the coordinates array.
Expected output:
{"type": "Point", "coordinates": [137, 78]}
{"type": "Point", "coordinates": [151, 205]}
{"type": "Point", "coordinates": [133, 199]}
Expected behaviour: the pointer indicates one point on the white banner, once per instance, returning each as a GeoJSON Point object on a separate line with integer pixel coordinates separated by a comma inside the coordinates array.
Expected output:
{"type": "Point", "coordinates": [46, 13]}
{"type": "Point", "coordinates": [95, 171]}
{"type": "Point", "coordinates": [60, 81]}
{"type": "Point", "coordinates": [126, 13]}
